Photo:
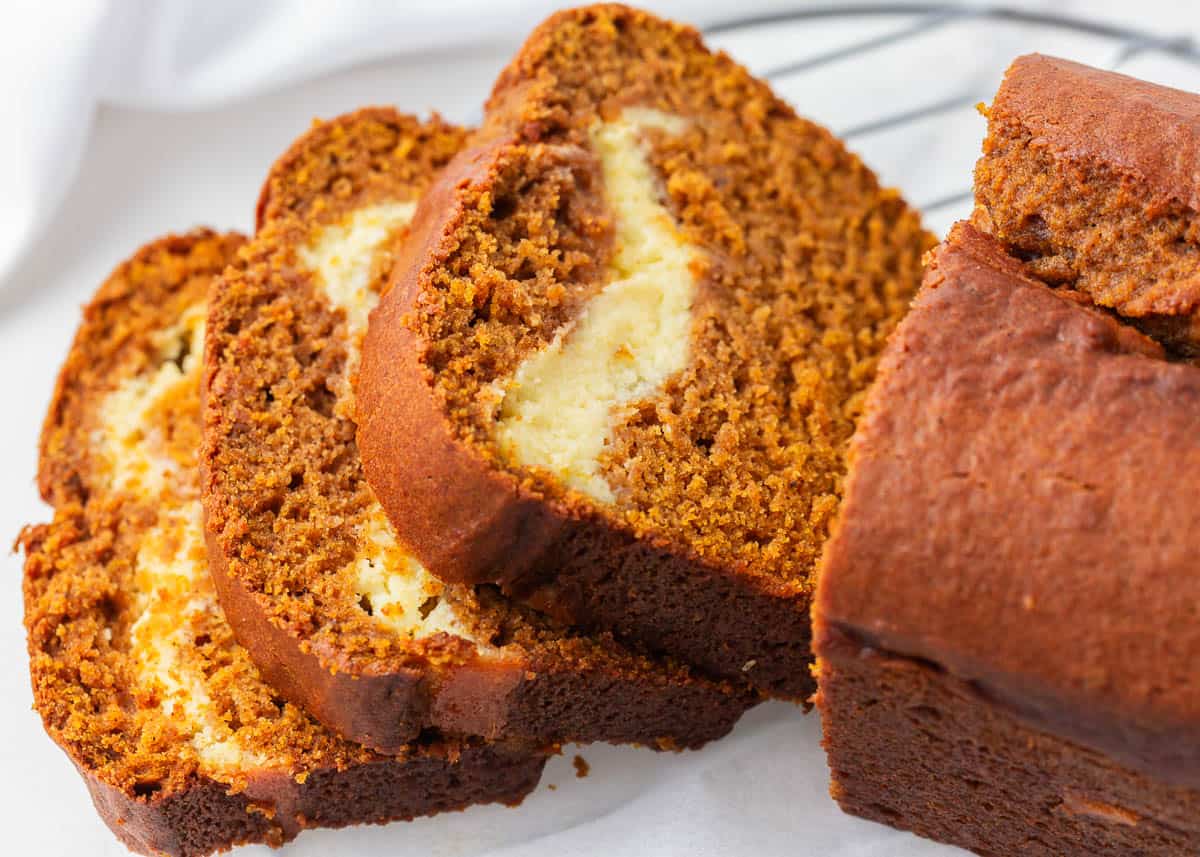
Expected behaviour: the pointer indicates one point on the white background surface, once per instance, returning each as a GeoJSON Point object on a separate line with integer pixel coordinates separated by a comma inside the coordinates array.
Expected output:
{"type": "Point", "coordinates": [760, 792]}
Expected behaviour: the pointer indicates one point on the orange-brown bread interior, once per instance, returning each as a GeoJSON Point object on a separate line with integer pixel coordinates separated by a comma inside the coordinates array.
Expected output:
{"type": "Point", "coordinates": [287, 502]}
{"type": "Point", "coordinates": [80, 568]}
{"type": "Point", "coordinates": [89, 575]}
{"type": "Point", "coordinates": [807, 264]}
{"type": "Point", "coordinates": [285, 491]}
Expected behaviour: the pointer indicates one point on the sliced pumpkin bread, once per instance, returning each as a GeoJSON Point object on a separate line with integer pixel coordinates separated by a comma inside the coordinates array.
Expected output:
{"type": "Point", "coordinates": [338, 614]}
{"type": "Point", "coordinates": [627, 344]}
{"type": "Point", "coordinates": [184, 747]}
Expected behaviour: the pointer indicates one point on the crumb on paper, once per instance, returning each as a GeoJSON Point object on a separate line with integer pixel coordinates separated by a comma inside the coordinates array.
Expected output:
{"type": "Point", "coordinates": [581, 767]}
{"type": "Point", "coordinates": [552, 787]}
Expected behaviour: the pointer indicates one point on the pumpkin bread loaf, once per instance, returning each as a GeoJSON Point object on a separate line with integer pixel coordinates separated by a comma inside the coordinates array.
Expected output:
{"type": "Point", "coordinates": [1005, 621]}
{"type": "Point", "coordinates": [627, 344]}
{"type": "Point", "coordinates": [183, 746]}
{"type": "Point", "coordinates": [338, 615]}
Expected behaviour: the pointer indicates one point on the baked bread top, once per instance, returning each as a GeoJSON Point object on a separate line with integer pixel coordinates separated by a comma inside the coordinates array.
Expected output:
{"type": "Point", "coordinates": [648, 298]}
{"type": "Point", "coordinates": [135, 672]}
{"type": "Point", "coordinates": [337, 613]}
{"type": "Point", "coordinates": [1093, 178]}
{"type": "Point", "coordinates": [1018, 511]}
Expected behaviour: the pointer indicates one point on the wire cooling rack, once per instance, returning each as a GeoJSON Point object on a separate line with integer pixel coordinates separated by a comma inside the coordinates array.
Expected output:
{"type": "Point", "coordinates": [900, 81]}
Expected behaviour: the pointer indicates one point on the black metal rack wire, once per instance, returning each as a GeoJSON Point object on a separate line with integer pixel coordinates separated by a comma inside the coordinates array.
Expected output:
{"type": "Point", "coordinates": [920, 19]}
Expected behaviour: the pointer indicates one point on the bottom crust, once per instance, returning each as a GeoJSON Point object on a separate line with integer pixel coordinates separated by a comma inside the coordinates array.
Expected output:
{"type": "Point", "coordinates": [206, 817]}
{"type": "Point", "coordinates": [914, 747]}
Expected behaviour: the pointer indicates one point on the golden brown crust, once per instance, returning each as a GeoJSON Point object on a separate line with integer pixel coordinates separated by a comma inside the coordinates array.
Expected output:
{"type": "Point", "coordinates": [1003, 624]}
{"type": "Point", "coordinates": [1086, 113]}
{"type": "Point", "coordinates": [464, 519]}
{"type": "Point", "coordinates": [728, 479]}
{"type": "Point", "coordinates": [1018, 467]}
{"type": "Point", "coordinates": [85, 589]}
{"type": "Point", "coordinates": [1093, 179]}
{"type": "Point", "coordinates": [285, 500]}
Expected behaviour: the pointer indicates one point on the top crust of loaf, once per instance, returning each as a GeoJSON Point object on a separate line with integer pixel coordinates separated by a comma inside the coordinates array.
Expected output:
{"type": "Point", "coordinates": [1017, 452]}
{"type": "Point", "coordinates": [1082, 112]}
{"type": "Point", "coordinates": [735, 462]}
{"type": "Point", "coordinates": [1092, 178]}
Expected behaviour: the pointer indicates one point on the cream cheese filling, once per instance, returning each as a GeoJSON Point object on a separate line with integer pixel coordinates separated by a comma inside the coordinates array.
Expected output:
{"type": "Point", "coordinates": [173, 590]}
{"type": "Point", "coordinates": [130, 431]}
{"type": "Point", "coordinates": [343, 255]}
{"type": "Point", "coordinates": [560, 407]}
{"type": "Point", "coordinates": [402, 595]}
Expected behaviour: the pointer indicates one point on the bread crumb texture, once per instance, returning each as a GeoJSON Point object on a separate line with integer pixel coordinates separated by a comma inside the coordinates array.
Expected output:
{"type": "Point", "coordinates": [135, 671]}
{"type": "Point", "coordinates": [666, 294]}
{"type": "Point", "coordinates": [558, 409]}
{"type": "Point", "coordinates": [287, 500]}
{"type": "Point", "coordinates": [341, 258]}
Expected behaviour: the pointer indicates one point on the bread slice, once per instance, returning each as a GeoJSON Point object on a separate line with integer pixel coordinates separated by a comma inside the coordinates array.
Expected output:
{"type": "Point", "coordinates": [183, 746]}
{"type": "Point", "coordinates": [337, 614]}
{"type": "Point", "coordinates": [1093, 179]}
{"type": "Point", "coordinates": [627, 344]}
{"type": "Point", "coordinates": [1005, 624]}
